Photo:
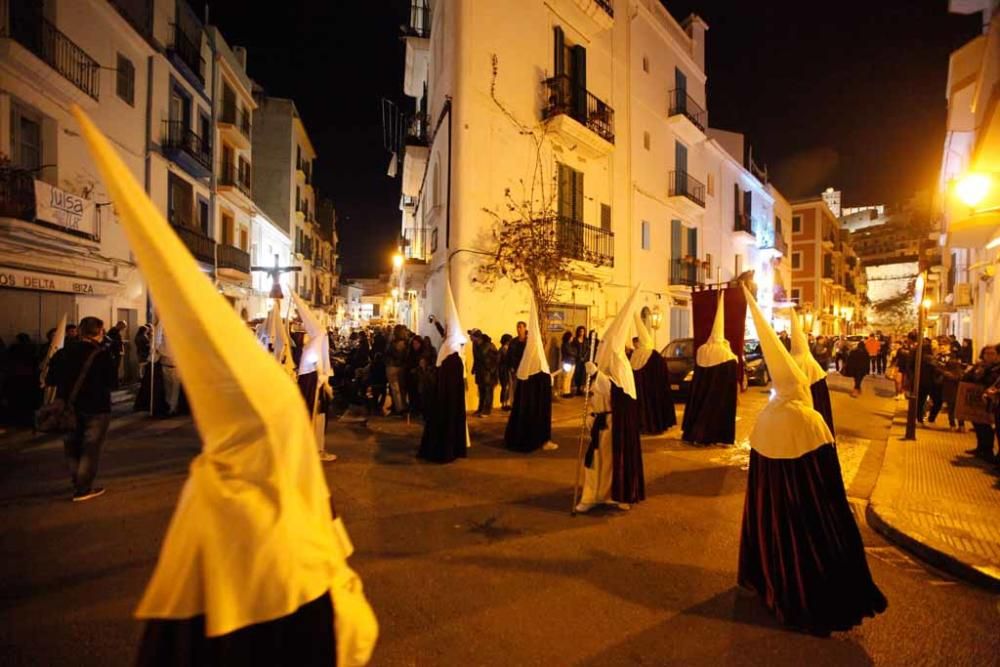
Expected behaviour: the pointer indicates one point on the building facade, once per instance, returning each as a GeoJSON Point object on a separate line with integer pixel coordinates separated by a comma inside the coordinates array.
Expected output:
{"type": "Point", "coordinates": [62, 250]}
{"type": "Point", "coordinates": [593, 111]}
{"type": "Point", "coordinates": [968, 190]}
{"type": "Point", "coordinates": [827, 284]}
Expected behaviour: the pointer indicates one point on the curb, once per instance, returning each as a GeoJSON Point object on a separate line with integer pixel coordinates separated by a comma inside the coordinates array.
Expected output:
{"type": "Point", "coordinates": [935, 557]}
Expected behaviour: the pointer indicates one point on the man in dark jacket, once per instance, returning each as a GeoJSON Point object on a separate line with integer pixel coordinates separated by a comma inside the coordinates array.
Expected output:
{"type": "Point", "coordinates": [485, 368]}
{"type": "Point", "coordinates": [92, 404]}
{"type": "Point", "coordinates": [514, 355]}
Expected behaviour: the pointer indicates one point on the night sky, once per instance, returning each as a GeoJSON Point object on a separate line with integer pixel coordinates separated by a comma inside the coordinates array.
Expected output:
{"type": "Point", "coordinates": [852, 98]}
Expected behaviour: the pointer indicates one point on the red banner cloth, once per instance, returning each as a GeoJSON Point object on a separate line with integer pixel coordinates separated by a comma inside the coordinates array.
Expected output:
{"type": "Point", "coordinates": [703, 305]}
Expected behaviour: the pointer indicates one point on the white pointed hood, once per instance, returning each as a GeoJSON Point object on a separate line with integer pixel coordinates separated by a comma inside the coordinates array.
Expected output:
{"type": "Point", "coordinates": [454, 337]}
{"type": "Point", "coordinates": [787, 427]}
{"type": "Point", "coordinates": [316, 352]}
{"type": "Point", "coordinates": [801, 353]}
{"type": "Point", "coordinates": [716, 350]}
{"type": "Point", "coordinates": [533, 360]}
{"type": "Point", "coordinates": [252, 538]}
{"type": "Point", "coordinates": [611, 359]}
{"type": "Point", "coordinates": [644, 348]}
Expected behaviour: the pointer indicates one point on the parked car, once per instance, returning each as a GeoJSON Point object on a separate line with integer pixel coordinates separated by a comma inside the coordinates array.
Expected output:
{"type": "Point", "coordinates": [679, 354]}
{"type": "Point", "coordinates": [753, 364]}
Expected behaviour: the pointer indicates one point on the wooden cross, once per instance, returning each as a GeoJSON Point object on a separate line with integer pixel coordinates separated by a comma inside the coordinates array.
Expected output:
{"type": "Point", "coordinates": [275, 273]}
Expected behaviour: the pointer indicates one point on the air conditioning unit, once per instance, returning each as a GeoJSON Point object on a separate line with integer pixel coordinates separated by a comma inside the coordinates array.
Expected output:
{"type": "Point", "coordinates": [963, 295]}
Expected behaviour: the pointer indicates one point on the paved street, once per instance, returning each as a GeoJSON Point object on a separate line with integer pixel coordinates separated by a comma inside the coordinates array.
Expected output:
{"type": "Point", "coordinates": [480, 563]}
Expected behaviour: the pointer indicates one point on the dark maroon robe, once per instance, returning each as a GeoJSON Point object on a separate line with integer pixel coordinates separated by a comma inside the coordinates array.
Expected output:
{"type": "Point", "coordinates": [628, 484]}
{"type": "Point", "coordinates": [656, 401]}
{"type": "Point", "coordinates": [821, 402]}
{"type": "Point", "coordinates": [305, 637]}
{"type": "Point", "coordinates": [530, 423]}
{"type": "Point", "coordinates": [710, 415]}
{"type": "Point", "coordinates": [800, 548]}
{"type": "Point", "coordinates": [444, 437]}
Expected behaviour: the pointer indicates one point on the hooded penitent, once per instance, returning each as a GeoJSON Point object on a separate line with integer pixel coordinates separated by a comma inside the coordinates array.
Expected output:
{"type": "Point", "coordinates": [627, 478]}
{"type": "Point", "coordinates": [710, 415]}
{"type": "Point", "coordinates": [800, 548]}
{"type": "Point", "coordinates": [253, 539]}
{"type": "Point", "coordinates": [652, 384]}
{"type": "Point", "coordinates": [530, 423]}
{"type": "Point", "coordinates": [446, 435]}
{"type": "Point", "coordinates": [813, 371]}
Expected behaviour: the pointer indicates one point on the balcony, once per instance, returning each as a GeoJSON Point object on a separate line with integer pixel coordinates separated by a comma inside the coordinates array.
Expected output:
{"type": "Point", "coordinates": [829, 275]}
{"type": "Point", "coordinates": [579, 119]}
{"type": "Point", "coordinates": [417, 35]}
{"type": "Point", "coordinates": [417, 132]}
{"type": "Point", "coordinates": [187, 149]}
{"type": "Point", "coordinates": [185, 53]}
{"type": "Point", "coordinates": [743, 227]}
{"type": "Point", "coordinates": [233, 261]}
{"type": "Point", "coordinates": [686, 117]}
{"type": "Point", "coordinates": [234, 126]}
{"type": "Point", "coordinates": [235, 183]}
{"type": "Point", "coordinates": [688, 272]}
{"type": "Point", "coordinates": [589, 17]}
{"type": "Point", "coordinates": [416, 244]}
{"type": "Point", "coordinates": [686, 193]}
{"type": "Point", "coordinates": [201, 246]}
{"type": "Point", "coordinates": [583, 242]}
{"type": "Point", "coordinates": [26, 37]}
{"type": "Point", "coordinates": [777, 243]}
{"type": "Point", "coordinates": [420, 20]}
{"type": "Point", "coordinates": [414, 165]}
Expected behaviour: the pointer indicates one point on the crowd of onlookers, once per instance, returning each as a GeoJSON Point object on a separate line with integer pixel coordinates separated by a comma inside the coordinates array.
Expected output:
{"type": "Point", "coordinates": [945, 362]}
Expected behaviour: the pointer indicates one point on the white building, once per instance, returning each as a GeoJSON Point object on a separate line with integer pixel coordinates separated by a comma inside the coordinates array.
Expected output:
{"type": "Point", "coordinates": [969, 185]}
{"type": "Point", "coordinates": [832, 198]}
{"type": "Point", "coordinates": [61, 247]}
{"type": "Point", "coordinates": [270, 246]}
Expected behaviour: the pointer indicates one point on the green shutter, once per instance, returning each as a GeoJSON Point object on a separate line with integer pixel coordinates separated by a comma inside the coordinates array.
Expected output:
{"type": "Point", "coordinates": [676, 251]}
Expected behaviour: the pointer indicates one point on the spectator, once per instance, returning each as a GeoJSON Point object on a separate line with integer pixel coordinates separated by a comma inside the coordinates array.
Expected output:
{"type": "Point", "coordinates": [785, 340]}
{"type": "Point", "coordinates": [883, 352]}
{"type": "Point", "coordinates": [567, 364]}
{"type": "Point", "coordinates": [505, 371]}
{"type": "Point", "coordinates": [952, 370]}
{"type": "Point", "coordinates": [413, 397]}
{"type": "Point", "coordinates": [395, 365]}
{"type": "Point", "coordinates": [858, 365]}
{"type": "Point", "coordinates": [987, 374]}
{"type": "Point", "coordinates": [873, 348]}
{"type": "Point", "coordinates": [580, 371]}
{"type": "Point", "coordinates": [375, 378]}
{"type": "Point", "coordinates": [485, 369]}
{"type": "Point", "coordinates": [516, 352]}
{"type": "Point", "coordinates": [821, 351]}
{"type": "Point", "coordinates": [930, 383]}
{"type": "Point", "coordinates": [142, 348]}
{"type": "Point", "coordinates": [90, 364]}
{"type": "Point", "coordinates": [115, 342]}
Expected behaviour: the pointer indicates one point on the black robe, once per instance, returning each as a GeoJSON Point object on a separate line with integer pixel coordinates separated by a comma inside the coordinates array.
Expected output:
{"type": "Point", "coordinates": [628, 485]}
{"type": "Point", "coordinates": [656, 401]}
{"type": "Point", "coordinates": [316, 404]}
{"type": "Point", "coordinates": [305, 637]}
{"type": "Point", "coordinates": [710, 415]}
{"type": "Point", "coordinates": [821, 402]}
{"type": "Point", "coordinates": [444, 437]}
{"type": "Point", "coordinates": [800, 548]}
{"type": "Point", "coordinates": [152, 377]}
{"type": "Point", "coordinates": [530, 423]}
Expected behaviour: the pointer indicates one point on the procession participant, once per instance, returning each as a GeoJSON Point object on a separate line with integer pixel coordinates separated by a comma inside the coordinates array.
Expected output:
{"type": "Point", "coordinates": [652, 384]}
{"type": "Point", "coordinates": [314, 373]}
{"type": "Point", "coordinates": [253, 567]}
{"type": "Point", "coordinates": [710, 414]}
{"type": "Point", "coordinates": [446, 435]}
{"type": "Point", "coordinates": [613, 471]}
{"type": "Point", "coordinates": [530, 423]}
{"type": "Point", "coordinates": [807, 363]}
{"type": "Point", "coordinates": [800, 548]}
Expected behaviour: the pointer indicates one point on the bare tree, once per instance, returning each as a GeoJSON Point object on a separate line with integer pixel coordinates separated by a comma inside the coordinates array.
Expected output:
{"type": "Point", "coordinates": [530, 245]}
{"type": "Point", "coordinates": [897, 311]}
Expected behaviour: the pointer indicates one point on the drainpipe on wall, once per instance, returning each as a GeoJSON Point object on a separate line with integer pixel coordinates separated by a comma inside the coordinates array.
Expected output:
{"type": "Point", "coordinates": [212, 181]}
{"type": "Point", "coordinates": [147, 177]}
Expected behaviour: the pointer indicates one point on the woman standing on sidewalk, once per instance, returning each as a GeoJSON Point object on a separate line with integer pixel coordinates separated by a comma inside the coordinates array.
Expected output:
{"type": "Point", "coordinates": [987, 374]}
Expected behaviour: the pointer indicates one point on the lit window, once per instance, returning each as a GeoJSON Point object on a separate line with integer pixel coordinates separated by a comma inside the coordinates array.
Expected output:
{"type": "Point", "coordinates": [645, 235]}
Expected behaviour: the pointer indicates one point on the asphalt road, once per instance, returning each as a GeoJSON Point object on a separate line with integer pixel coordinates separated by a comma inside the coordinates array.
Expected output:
{"type": "Point", "coordinates": [479, 562]}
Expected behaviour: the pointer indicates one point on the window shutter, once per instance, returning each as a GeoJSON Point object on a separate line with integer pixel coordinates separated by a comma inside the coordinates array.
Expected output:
{"type": "Point", "coordinates": [578, 196]}
{"type": "Point", "coordinates": [564, 202]}
{"type": "Point", "coordinates": [675, 239]}
{"type": "Point", "coordinates": [605, 217]}
{"type": "Point", "coordinates": [559, 51]}
{"type": "Point", "coordinates": [692, 248]}
{"type": "Point", "coordinates": [580, 82]}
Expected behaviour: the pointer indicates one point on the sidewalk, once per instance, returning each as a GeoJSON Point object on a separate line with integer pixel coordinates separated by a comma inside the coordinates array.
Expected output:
{"type": "Point", "coordinates": [939, 502]}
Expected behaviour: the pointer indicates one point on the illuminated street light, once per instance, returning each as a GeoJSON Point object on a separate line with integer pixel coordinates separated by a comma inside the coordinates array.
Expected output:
{"type": "Point", "coordinates": [927, 304]}
{"type": "Point", "coordinates": [972, 188]}
{"type": "Point", "coordinates": [397, 260]}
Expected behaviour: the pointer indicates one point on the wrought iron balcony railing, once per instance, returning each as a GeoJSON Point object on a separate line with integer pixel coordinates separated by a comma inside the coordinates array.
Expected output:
{"type": "Point", "coordinates": [682, 184]}
{"type": "Point", "coordinates": [17, 194]}
{"type": "Point", "coordinates": [420, 20]}
{"type": "Point", "coordinates": [201, 246]}
{"type": "Point", "coordinates": [25, 24]}
{"type": "Point", "coordinates": [178, 136]}
{"type": "Point", "coordinates": [583, 242]}
{"type": "Point", "coordinates": [237, 177]}
{"type": "Point", "coordinates": [231, 257]}
{"type": "Point", "coordinates": [188, 49]}
{"type": "Point", "coordinates": [683, 104]}
{"type": "Point", "coordinates": [608, 7]}
{"type": "Point", "coordinates": [688, 271]}
{"type": "Point", "coordinates": [564, 96]}
{"type": "Point", "coordinates": [238, 117]}
{"type": "Point", "coordinates": [743, 223]}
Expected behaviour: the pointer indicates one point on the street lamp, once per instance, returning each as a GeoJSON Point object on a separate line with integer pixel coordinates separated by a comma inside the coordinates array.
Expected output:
{"type": "Point", "coordinates": [397, 261]}
{"type": "Point", "coordinates": [973, 188]}
{"type": "Point", "coordinates": [655, 318]}
{"type": "Point", "coordinates": [911, 411]}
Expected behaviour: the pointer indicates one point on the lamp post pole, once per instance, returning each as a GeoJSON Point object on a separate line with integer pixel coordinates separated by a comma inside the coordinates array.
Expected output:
{"type": "Point", "coordinates": [912, 407]}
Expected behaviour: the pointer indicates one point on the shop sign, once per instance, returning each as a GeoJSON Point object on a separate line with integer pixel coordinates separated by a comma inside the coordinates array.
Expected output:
{"type": "Point", "coordinates": [47, 282]}
{"type": "Point", "coordinates": [68, 212]}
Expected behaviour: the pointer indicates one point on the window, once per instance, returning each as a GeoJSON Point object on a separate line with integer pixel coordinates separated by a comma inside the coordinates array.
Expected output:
{"type": "Point", "coordinates": [605, 217]}
{"type": "Point", "coordinates": [244, 238]}
{"type": "Point", "coordinates": [796, 224]}
{"type": "Point", "coordinates": [180, 196]}
{"type": "Point", "coordinates": [710, 185]}
{"type": "Point", "coordinates": [203, 221]}
{"type": "Point", "coordinates": [796, 295]}
{"type": "Point", "coordinates": [796, 260]}
{"type": "Point", "coordinates": [228, 228]}
{"type": "Point", "coordinates": [645, 140]}
{"type": "Point", "coordinates": [26, 138]}
{"type": "Point", "coordinates": [125, 80]}
{"type": "Point", "coordinates": [645, 64]}
{"type": "Point", "coordinates": [645, 235]}
{"type": "Point", "coordinates": [570, 199]}
{"type": "Point", "coordinates": [738, 265]}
